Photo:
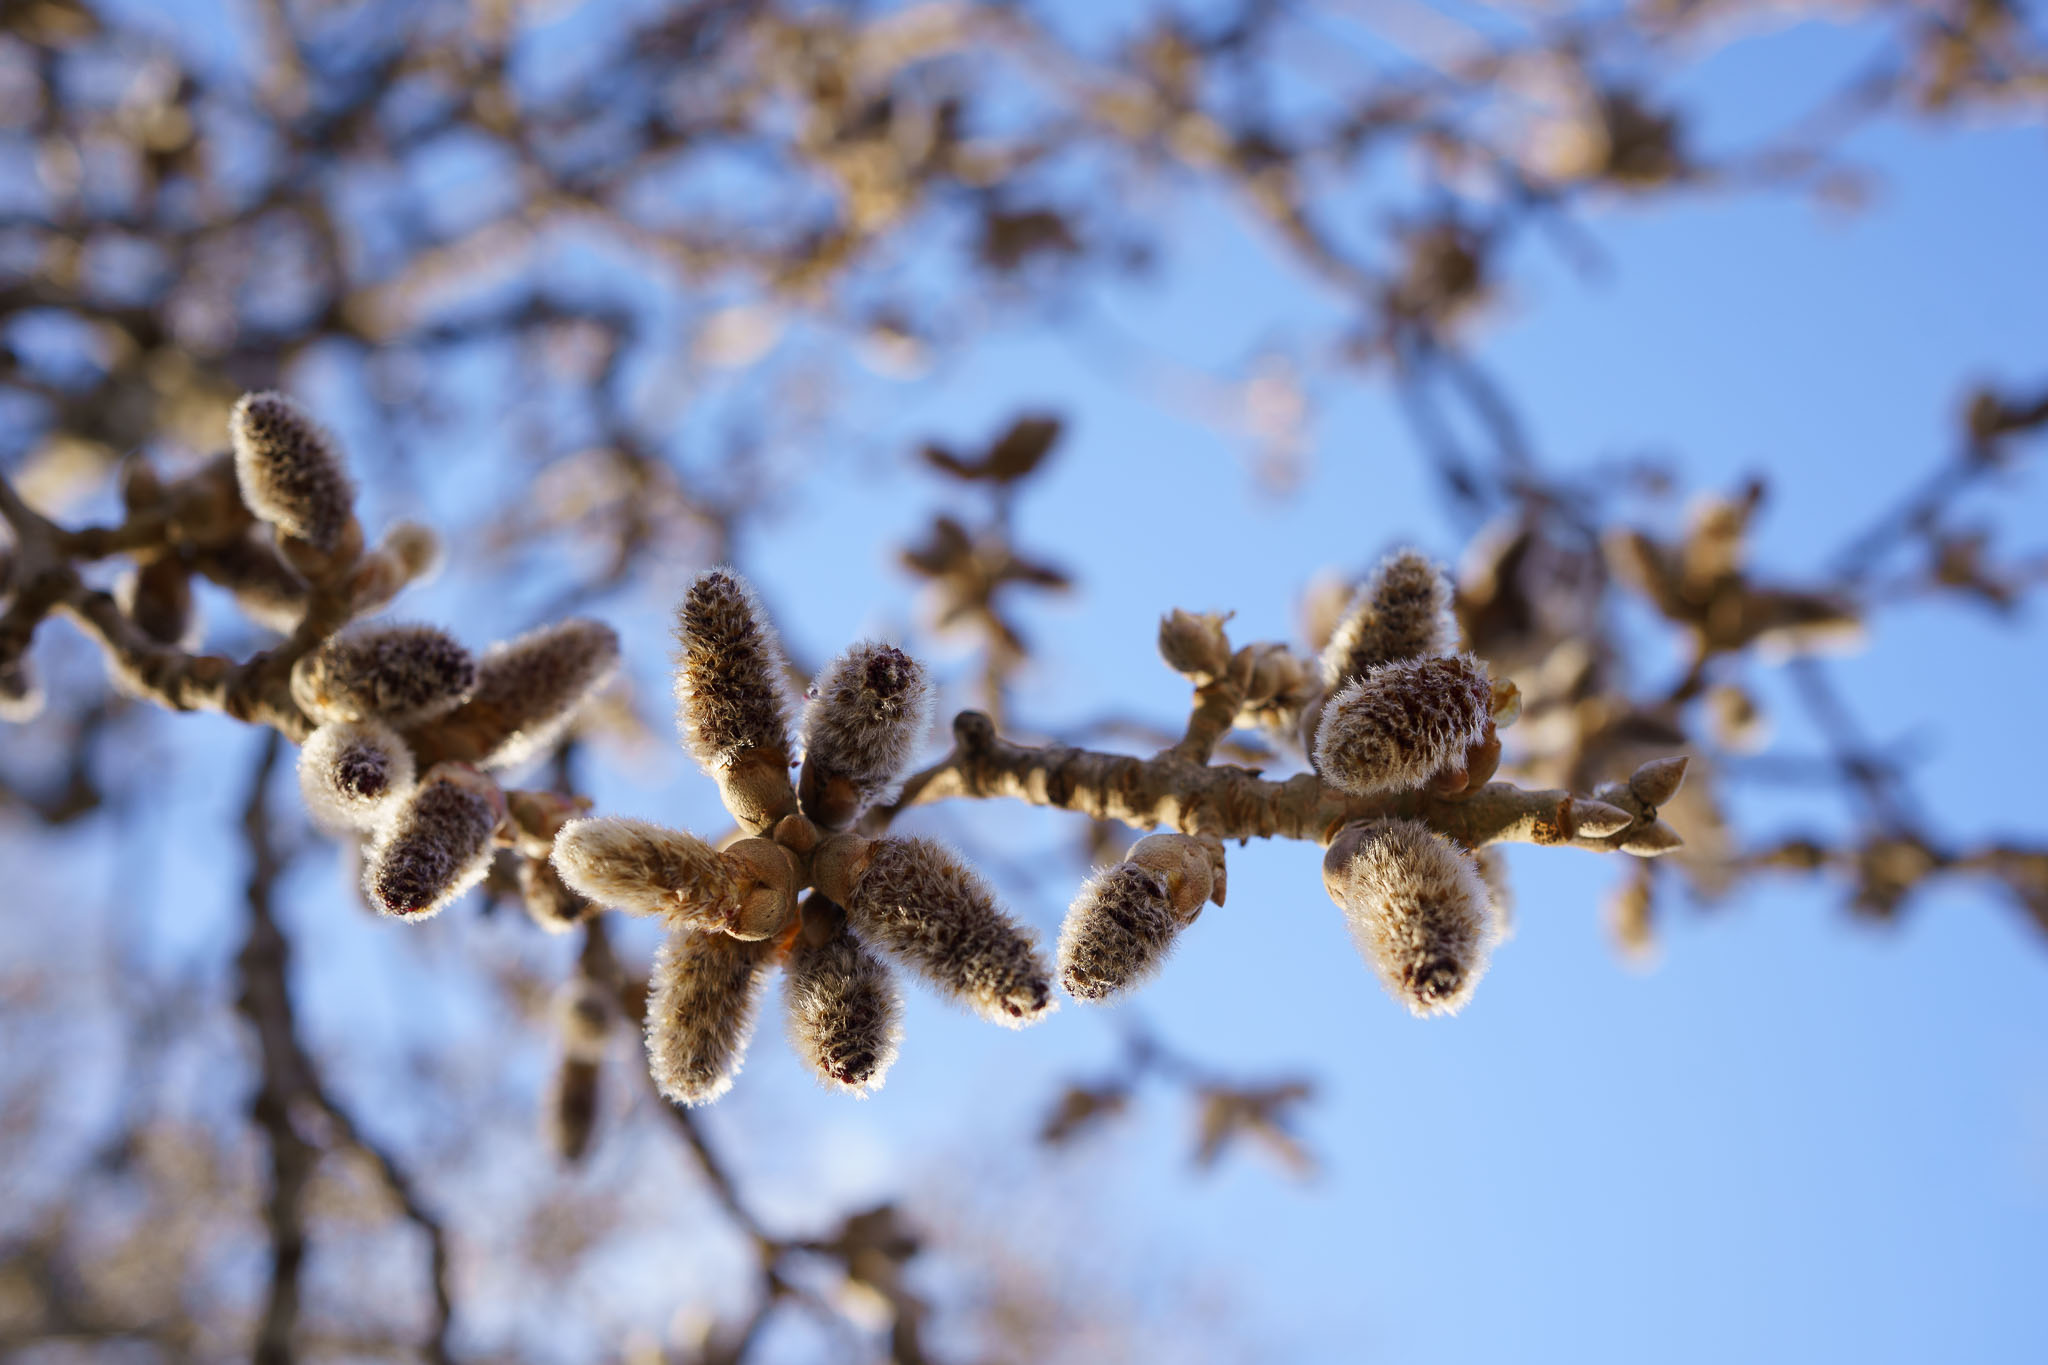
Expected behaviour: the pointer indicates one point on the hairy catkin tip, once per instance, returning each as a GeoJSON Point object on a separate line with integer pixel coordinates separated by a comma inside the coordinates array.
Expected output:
{"type": "Point", "coordinates": [1403, 611]}
{"type": "Point", "coordinates": [845, 1012]}
{"type": "Point", "coordinates": [1403, 723]}
{"type": "Point", "coordinates": [731, 690]}
{"type": "Point", "coordinates": [1418, 910]}
{"type": "Point", "coordinates": [403, 675]}
{"type": "Point", "coordinates": [528, 690]}
{"type": "Point", "coordinates": [352, 774]}
{"type": "Point", "coordinates": [868, 712]}
{"type": "Point", "coordinates": [917, 902]}
{"type": "Point", "coordinates": [1117, 932]}
{"type": "Point", "coordinates": [647, 869]}
{"type": "Point", "coordinates": [289, 470]}
{"type": "Point", "coordinates": [436, 845]}
{"type": "Point", "coordinates": [701, 1012]}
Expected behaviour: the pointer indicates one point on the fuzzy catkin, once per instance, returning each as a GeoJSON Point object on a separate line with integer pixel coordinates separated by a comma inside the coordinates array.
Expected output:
{"type": "Point", "coordinates": [435, 847]}
{"type": "Point", "coordinates": [402, 674]}
{"type": "Point", "coordinates": [647, 869]}
{"type": "Point", "coordinates": [731, 693]}
{"type": "Point", "coordinates": [1117, 932]}
{"type": "Point", "coordinates": [1403, 723]}
{"type": "Point", "coordinates": [550, 902]}
{"type": "Point", "coordinates": [529, 689]}
{"type": "Point", "coordinates": [288, 469]}
{"type": "Point", "coordinates": [707, 988]}
{"type": "Point", "coordinates": [871, 707]}
{"type": "Point", "coordinates": [269, 591]}
{"type": "Point", "coordinates": [1418, 911]}
{"type": "Point", "coordinates": [920, 904]}
{"type": "Point", "coordinates": [1403, 611]}
{"type": "Point", "coordinates": [845, 1012]}
{"type": "Point", "coordinates": [352, 773]}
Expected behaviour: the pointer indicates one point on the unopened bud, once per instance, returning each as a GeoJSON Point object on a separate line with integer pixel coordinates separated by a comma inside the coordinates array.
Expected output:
{"type": "Point", "coordinates": [1652, 840]}
{"type": "Point", "coordinates": [870, 709]}
{"type": "Point", "coordinates": [289, 470]}
{"type": "Point", "coordinates": [436, 845]}
{"type": "Point", "coordinates": [1194, 645]}
{"type": "Point", "coordinates": [1597, 820]}
{"type": "Point", "coordinates": [1403, 611]}
{"type": "Point", "coordinates": [700, 1014]}
{"type": "Point", "coordinates": [845, 1012]}
{"type": "Point", "coordinates": [403, 675]}
{"type": "Point", "coordinates": [157, 596]}
{"type": "Point", "coordinates": [920, 904]}
{"type": "Point", "coordinates": [1657, 781]}
{"type": "Point", "coordinates": [1404, 723]}
{"type": "Point", "coordinates": [1418, 910]}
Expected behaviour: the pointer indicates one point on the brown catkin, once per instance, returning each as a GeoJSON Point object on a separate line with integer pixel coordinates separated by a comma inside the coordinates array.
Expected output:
{"type": "Point", "coordinates": [845, 1012]}
{"type": "Point", "coordinates": [269, 591]}
{"type": "Point", "coordinates": [569, 1111]}
{"type": "Point", "coordinates": [706, 989]}
{"type": "Point", "coordinates": [1417, 909]}
{"type": "Point", "coordinates": [550, 902]}
{"type": "Point", "coordinates": [1117, 931]}
{"type": "Point", "coordinates": [354, 773]}
{"type": "Point", "coordinates": [1403, 611]}
{"type": "Point", "coordinates": [647, 869]}
{"type": "Point", "coordinates": [403, 675]}
{"type": "Point", "coordinates": [868, 712]}
{"type": "Point", "coordinates": [731, 690]}
{"type": "Point", "coordinates": [1403, 723]}
{"type": "Point", "coordinates": [157, 596]}
{"type": "Point", "coordinates": [288, 469]}
{"type": "Point", "coordinates": [435, 846]}
{"type": "Point", "coordinates": [528, 690]}
{"type": "Point", "coordinates": [920, 904]}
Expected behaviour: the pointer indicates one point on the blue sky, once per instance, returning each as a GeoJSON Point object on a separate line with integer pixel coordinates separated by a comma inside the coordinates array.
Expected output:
{"type": "Point", "coordinates": [1795, 1137]}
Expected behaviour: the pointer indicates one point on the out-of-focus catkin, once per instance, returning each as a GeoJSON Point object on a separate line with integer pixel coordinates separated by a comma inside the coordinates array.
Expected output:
{"type": "Point", "coordinates": [436, 845]}
{"type": "Point", "coordinates": [550, 902]}
{"type": "Point", "coordinates": [732, 695]}
{"type": "Point", "coordinates": [1403, 611]}
{"type": "Point", "coordinates": [845, 1011]}
{"type": "Point", "coordinates": [354, 773]}
{"type": "Point", "coordinates": [920, 904]}
{"type": "Point", "coordinates": [401, 674]}
{"type": "Point", "coordinates": [1117, 931]}
{"type": "Point", "coordinates": [1417, 909]}
{"type": "Point", "coordinates": [528, 690]}
{"type": "Point", "coordinates": [647, 869]}
{"type": "Point", "coordinates": [1404, 724]}
{"type": "Point", "coordinates": [869, 710]}
{"type": "Point", "coordinates": [706, 990]}
{"type": "Point", "coordinates": [289, 471]}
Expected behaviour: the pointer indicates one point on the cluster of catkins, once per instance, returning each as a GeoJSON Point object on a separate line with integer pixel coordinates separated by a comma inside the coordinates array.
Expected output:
{"type": "Point", "coordinates": [1399, 710]}
{"type": "Point", "coordinates": [382, 697]}
{"type": "Point", "coordinates": [733, 913]}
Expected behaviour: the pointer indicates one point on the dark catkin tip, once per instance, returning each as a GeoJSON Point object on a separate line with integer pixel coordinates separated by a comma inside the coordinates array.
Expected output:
{"type": "Point", "coordinates": [288, 469]}
{"type": "Point", "coordinates": [436, 846]}
{"type": "Point", "coordinates": [351, 772]}
{"type": "Point", "coordinates": [845, 1012]}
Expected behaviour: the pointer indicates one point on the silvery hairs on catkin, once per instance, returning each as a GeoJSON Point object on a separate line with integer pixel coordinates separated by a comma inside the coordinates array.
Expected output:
{"type": "Point", "coordinates": [706, 992]}
{"type": "Point", "coordinates": [1418, 910]}
{"type": "Point", "coordinates": [731, 683]}
{"type": "Point", "coordinates": [289, 471]}
{"type": "Point", "coordinates": [1403, 723]}
{"type": "Point", "coordinates": [1402, 611]}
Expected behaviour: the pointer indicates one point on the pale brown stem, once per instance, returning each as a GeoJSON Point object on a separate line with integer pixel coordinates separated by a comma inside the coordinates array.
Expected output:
{"type": "Point", "coordinates": [1230, 802]}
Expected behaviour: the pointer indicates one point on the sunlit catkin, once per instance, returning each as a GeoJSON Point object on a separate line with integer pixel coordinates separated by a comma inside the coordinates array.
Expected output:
{"type": "Point", "coordinates": [528, 690]}
{"type": "Point", "coordinates": [1403, 724]}
{"type": "Point", "coordinates": [845, 1012]}
{"type": "Point", "coordinates": [920, 904]}
{"type": "Point", "coordinates": [1402, 612]}
{"type": "Point", "coordinates": [436, 845]}
{"type": "Point", "coordinates": [706, 989]}
{"type": "Point", "coordinates": [732, 703]}
{"type": "Point", "coordinates": [648, 869]}
{"type": "Point", "coordinates": [289, 471]}
{"type": "Point", "coordinates": [402, 675]}
{"type": "Point", "coordinates": [1417, 908]}
{"type": "Point", "coordinates": [353, 773]}
{"type": "Point", "coordinates": [1117, 932]}
{"type": "Point", "coordinates": [868, 711]}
